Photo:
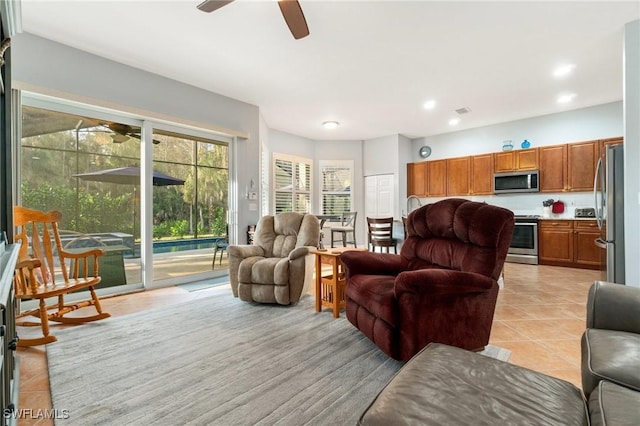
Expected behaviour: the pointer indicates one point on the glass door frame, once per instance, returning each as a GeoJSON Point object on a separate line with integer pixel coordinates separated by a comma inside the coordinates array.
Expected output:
{"type": "Point", "coordinates": [147, 127]}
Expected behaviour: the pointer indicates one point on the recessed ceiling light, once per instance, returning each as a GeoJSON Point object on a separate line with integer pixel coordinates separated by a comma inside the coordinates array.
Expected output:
{"type": "Point", "coordinates": [330, 124]}
{"type": "Point", "coordinates": [566, 98]}
{"type": "Point", "coordinates": [563, 70]}
{"type": "Point", "coordinates": [430, 104]}
{"type": "Point", "coordinates": [454, 121]}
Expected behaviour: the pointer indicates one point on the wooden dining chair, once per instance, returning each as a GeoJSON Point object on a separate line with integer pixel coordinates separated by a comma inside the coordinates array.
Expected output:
{"type": "Point", "coordinates": [45, 270]}
{"type": "Point", "coordinates": [347, 226]}
{"type": "Point", "coordinates": [381, 234]}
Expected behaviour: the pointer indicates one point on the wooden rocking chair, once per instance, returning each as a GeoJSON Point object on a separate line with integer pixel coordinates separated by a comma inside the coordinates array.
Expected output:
{"type": "Point", "coordinates": [38, 276]}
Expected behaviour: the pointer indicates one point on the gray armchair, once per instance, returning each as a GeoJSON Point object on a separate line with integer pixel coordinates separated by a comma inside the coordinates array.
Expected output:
{"type": "Point", "coordinates": [278, 267]}
{"type": "Point", "coordinates": [611, 343]}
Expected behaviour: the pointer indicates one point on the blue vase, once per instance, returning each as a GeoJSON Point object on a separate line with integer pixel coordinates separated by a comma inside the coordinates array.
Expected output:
{"type": "Point", "coordinates": [525, 144]}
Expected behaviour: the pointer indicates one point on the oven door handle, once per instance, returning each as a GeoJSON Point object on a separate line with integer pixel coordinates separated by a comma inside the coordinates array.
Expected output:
{"type": "Point", "coordinates": [527, 223]}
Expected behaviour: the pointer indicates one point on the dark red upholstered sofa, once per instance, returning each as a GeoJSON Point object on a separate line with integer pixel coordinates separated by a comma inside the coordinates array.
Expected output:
{"type": "Point", "coordinates": [442, 287]}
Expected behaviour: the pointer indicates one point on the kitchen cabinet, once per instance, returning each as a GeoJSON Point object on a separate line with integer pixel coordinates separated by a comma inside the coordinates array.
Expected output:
{"type": "Point", "coordinates": [511, 161]}
{"type": "Point", "coordinates": [427, 178]}
{"type": "Point", "coordinates": [586, 252]}
{"type": "Point", "coordinates": [569, 243]}
{"type": "Point", "coordinates": [458, 176]}
{"type": "Point", "coordinates": [581, 165]}
{"type": "Point", "coordinates": [553, 168]}
{"type": "Point", "coordinates": [555, 242]}
{"type": "Point", "coordinates": [603, 143]}
{"type": "Point", "coordinates": [570, 167]}
{"type": "Point", "coordinates": [417, 179]}
{"type": "Point", "coordinates": [481, 174]}
{"type": "Point", "coordinates": [437, 178]}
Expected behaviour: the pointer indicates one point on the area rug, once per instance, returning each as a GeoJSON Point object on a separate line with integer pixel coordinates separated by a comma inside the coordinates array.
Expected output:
{"type": "Point", "coordinates": [204, 284]}
{"type": "Point", "coordinates": [217, 361]}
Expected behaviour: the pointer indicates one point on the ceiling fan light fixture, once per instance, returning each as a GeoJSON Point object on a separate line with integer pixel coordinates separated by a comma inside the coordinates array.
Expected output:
{"type": "Point", "coordinates": [118, 138]}
{"type": "Point", "coordinates": [330, 124]}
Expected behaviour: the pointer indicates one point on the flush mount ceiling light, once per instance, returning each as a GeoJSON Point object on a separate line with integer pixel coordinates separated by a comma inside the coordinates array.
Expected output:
{"type": "Point", "coordinates": [454, 122]}
{"type": "Point", "coordinates": [330, 124]}
{"type": "Point", "coordinates": [430, 104]}
{"type": "Point", "coordinates": [563, 70]}
{"type": "Point", "coordinates": [566, 98]}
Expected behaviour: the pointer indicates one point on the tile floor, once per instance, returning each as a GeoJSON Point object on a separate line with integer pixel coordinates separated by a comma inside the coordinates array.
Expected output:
{"type": "Point", "coordinates": [540, 317]}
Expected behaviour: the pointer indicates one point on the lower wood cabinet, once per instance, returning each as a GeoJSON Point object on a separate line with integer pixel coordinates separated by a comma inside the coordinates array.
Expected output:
{"type": "Point", "coordinates": [570, 243]}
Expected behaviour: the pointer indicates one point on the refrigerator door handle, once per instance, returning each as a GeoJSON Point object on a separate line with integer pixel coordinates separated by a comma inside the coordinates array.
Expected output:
{"type": "Point", "coordinates": [601, 243]}
{"type": "Point", "coordinates": [599, 176]}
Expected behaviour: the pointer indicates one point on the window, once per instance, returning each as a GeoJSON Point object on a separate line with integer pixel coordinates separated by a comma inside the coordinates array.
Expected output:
{"type": "Point", "coordinates": [336, 192]}
{"type": "Point", "coordinates": [292, 184]}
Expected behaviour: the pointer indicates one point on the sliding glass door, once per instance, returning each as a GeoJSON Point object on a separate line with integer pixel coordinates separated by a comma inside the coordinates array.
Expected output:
{"type": "Point", "coordinates": [189, 218]}
{"type": "Point", "coordinates": [86, 164]}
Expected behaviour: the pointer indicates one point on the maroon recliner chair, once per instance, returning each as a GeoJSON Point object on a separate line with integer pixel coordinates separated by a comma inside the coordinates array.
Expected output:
{"type": "Point", "coordinates": [442, 287]}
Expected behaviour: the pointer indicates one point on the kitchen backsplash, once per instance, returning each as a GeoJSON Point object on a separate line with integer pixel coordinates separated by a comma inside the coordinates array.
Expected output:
{"type": "Point", "coordinates": [531, 203]}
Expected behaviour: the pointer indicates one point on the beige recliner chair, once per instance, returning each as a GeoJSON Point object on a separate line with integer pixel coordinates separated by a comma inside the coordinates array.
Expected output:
{"type": "Point", "coordinates": [277, 268]}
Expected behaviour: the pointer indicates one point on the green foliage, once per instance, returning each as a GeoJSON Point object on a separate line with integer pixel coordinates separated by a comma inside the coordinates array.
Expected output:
{"type": "Point", "coordinates": [180, 228]}
{"type": "Point", "coordinates": [49, 162]}
{"type": "Point", "coordinates": [161, 230]}
{"type": "Point", "coordinates": [219, 225]}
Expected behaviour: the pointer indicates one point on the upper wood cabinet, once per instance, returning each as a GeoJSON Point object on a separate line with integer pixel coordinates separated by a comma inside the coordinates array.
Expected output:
{"type": "Point", "coordinates": [581, 165]}
{"type": "Point", "coordinates": [521, 159]}
{"type": "Point", "coordinates": [603, 143]}
{"type": "Point", "coordinates": [437, 178]}
{"type": "Point", "coordinates": [458, 176]}
{"type": "Point", "coordinates": [481, 174]}
{"type": "Point", "coordinates": [417, 179]}
{"type": "Point", "coordinates": [567, 167]}
{"type": "Point", "coordinates": [553, 168]}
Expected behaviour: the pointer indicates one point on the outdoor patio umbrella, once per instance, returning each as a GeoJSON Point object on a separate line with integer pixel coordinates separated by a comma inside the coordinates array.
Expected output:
{"type": "Point", "coordinates": [128, 176]}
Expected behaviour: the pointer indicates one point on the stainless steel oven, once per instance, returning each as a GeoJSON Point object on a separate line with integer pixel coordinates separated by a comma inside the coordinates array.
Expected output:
{"type": "Point", "coordinates": [524, 243]}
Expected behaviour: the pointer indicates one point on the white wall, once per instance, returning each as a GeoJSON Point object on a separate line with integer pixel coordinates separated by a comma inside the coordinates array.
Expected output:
{"type": "Point", "coordinates": [597, 122]}
{"type": "Point", "coordinates": [381, 156]}
{"type": "Point", "coordinates": [50, 68]}
{"type": "Point", "coordinates": [632, 151]}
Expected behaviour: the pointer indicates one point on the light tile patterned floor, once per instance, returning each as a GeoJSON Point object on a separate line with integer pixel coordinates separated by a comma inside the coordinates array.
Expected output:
{"type": "Point", "coordinates": [540, 317]}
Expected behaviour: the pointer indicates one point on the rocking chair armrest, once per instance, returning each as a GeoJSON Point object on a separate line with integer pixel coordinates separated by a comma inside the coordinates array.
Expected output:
{"type": "Point", "coordinates": [31, 263]}
{"type": "Point", "coordinates": [82, 254]}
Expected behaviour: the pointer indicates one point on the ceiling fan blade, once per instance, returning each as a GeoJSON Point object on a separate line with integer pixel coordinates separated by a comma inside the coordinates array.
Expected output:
{"type": "Point", "coordinates": [211, 5]}
{"type": "Point", "coordinates": [293, 16]}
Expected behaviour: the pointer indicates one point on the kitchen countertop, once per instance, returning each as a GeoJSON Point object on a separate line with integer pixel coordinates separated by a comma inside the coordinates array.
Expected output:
{"type": "Point", "coordinates": [567, 218]}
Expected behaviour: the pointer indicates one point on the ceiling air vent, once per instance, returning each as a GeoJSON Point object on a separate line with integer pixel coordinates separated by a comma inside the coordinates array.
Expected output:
{"type": "Point", "coordinates": [464, 110]}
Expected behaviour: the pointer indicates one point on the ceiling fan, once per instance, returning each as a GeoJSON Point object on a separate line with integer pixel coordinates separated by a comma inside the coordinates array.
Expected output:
{"type": "Point", "coordinates": [123, 132]}
{"type": "Point", "coordinates": [291, 11]}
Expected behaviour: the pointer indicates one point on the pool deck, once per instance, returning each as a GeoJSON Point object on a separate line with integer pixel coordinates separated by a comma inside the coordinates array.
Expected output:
{"type": "Point", "coordinates": [176, 264]}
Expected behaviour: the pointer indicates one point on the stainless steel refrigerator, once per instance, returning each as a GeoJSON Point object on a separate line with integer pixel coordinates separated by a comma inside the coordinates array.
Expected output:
{"type": "Point", "coordinates": [608, 190]}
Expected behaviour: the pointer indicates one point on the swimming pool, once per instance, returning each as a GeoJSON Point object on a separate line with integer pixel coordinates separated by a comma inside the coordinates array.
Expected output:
{"type": "Point", "coordinates": [182, 245]}
{"type": "Point", "coordinates": [173, 246]}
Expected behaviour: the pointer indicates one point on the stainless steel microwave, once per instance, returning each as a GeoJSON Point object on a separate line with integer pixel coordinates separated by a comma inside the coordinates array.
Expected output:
{"type": "Point", "coordinates": [513, 182]}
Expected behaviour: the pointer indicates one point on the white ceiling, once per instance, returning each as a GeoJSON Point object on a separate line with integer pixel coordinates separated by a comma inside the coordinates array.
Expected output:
{"type": "Point", "coordinates": [368, 64]}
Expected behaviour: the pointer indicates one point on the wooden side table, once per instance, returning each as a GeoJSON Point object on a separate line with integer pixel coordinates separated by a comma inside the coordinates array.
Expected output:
{"type": "Point", "coordinates": [330, 289]}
